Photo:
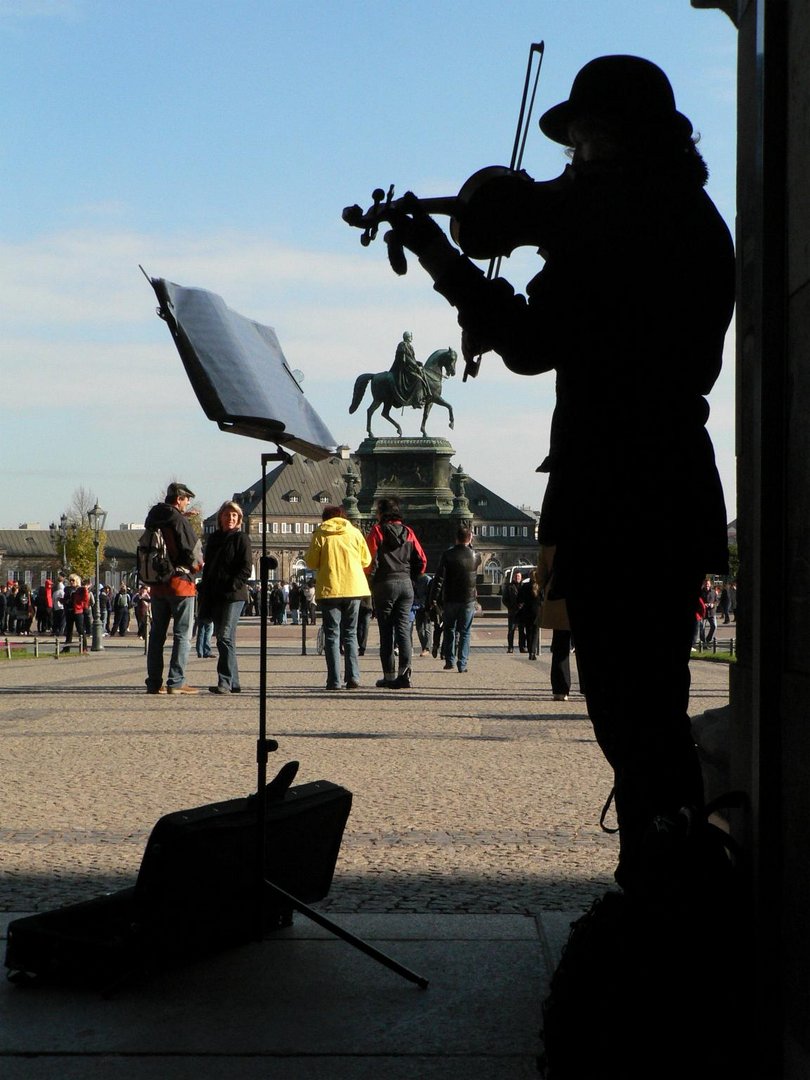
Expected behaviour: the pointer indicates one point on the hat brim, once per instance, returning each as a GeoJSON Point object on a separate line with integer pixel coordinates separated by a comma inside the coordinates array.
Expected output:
{"type": "Point", "coordinates": [555, 123]}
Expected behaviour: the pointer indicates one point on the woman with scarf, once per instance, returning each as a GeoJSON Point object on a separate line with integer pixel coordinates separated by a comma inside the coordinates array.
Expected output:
{"type": "Point", "coordinates": [223, 591]}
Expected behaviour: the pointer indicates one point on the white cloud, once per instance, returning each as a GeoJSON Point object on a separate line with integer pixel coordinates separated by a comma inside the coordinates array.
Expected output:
{"type": "Point", "coordinates": [95, 368]}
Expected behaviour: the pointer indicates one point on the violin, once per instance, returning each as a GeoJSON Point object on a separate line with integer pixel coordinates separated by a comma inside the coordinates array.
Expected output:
{"type": "Point", "coordinates": [492, 214]}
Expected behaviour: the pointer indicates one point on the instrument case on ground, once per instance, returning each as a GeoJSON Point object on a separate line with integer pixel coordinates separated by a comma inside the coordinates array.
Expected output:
{"type": "Point", "coordinates": [198, 888]}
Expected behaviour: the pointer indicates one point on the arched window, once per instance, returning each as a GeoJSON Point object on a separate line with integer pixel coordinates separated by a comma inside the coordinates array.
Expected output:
{"type": "Point", "coordinates": [493, 571]}
{"type": "Point", "coordinates": [297, 567]}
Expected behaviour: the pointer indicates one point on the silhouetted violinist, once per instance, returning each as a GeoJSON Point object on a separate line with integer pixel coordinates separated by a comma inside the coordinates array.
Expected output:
{"type": "Point", "coordinates": [630, 310]}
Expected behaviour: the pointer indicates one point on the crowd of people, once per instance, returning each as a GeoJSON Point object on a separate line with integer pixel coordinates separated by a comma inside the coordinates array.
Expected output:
{"type": "Point", "coordinates": [384, 575]}
{"type": "Point", "coordinates": [65, 607]}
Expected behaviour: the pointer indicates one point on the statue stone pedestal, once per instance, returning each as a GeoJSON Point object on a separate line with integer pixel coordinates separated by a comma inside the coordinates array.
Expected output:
{"type": "Point", "coordinates": [418, 472]}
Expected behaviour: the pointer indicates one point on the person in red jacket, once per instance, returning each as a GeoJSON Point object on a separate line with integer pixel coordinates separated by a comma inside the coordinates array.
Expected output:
{"type": "Point", "coordinates": [77, 602]}
{"type": "Point", "coordinates": [397, 559]}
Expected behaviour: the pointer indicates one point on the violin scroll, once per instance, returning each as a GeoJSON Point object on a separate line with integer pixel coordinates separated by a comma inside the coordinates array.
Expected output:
{"type": "Point", "coordinates": [369, 221]}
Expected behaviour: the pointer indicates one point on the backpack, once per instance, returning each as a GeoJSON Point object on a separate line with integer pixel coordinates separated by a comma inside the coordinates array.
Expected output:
{"type": "Point", "coordinates": [154, 564]}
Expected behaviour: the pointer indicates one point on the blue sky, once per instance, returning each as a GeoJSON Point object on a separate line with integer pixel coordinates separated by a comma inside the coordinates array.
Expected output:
{"type": "Point", "coordinates": [216, 145]}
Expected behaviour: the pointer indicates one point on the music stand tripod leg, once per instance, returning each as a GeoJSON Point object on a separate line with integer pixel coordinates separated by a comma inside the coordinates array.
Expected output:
{"type": "Point", "coordinates": [346, 935]}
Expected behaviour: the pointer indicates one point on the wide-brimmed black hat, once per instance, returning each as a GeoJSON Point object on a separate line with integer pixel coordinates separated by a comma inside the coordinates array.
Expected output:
{"type": "Point", "coordinates": [620, 88]}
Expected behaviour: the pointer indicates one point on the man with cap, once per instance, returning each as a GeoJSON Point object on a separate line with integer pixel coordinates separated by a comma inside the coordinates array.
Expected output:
{"type": "Point", "coordinates": [630, 310]}
{"type": "Point", "coordinates": [173, 599]}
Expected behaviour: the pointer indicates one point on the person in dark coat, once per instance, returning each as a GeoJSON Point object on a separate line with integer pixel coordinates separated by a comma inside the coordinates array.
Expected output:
{"type": "Point", "coordinates": [509, 595]}
{"type": "Point", "coordinates": [631, 310]}
{"type": "Point", "coordinates": [173, 600]}
{"type": "Point", "coordinates": [421, 619]}
{"type": "Point", "coordinates": [122, 610]}
{"type": "Point", "coordinates": [398, 558]}
{"type": "Point", "coordinates": [277, 604]}
{"type": "Point", "coordinates": [529, 603]}
{"type": "Point", "coordinates": [227, 569]}
{"type": "Point", "coordinates": [44, 607]}
{"type": "Point", "coordinates": [457, 574]}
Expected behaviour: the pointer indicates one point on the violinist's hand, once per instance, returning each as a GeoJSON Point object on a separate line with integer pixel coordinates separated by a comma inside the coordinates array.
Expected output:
{"type": "Point", "coordinates": [415, 230]}
{"type": "Point", "coordinates": [472, 347]}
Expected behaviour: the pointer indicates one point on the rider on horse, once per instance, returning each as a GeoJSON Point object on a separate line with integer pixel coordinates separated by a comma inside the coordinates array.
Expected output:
{"type": "Point", "coordinates": [410, 381]}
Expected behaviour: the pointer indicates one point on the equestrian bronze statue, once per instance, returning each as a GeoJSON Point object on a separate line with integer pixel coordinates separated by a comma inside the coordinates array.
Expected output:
{"type": "Point", "coordinates": [410, 383]}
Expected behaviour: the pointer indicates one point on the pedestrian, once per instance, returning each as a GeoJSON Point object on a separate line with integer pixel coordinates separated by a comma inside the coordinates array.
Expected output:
{"type": "Point", "coordinates": [560, 664]}
{"type": "Point", "coordinates": [339, 555]}
{"type": "Point", "coordinates": [24, 610]}
{"type": "Point", "coordinates": [58, 597]}
{"type": "Point", "coordinates": [421, 619]}
{"type": "Point", "coordinates": [398, 558]}
{"type": "Point", "coordinates": [44, 607]}
{"type": "Point", "coordinates": [122, 610]}
{"type": "Point", "coordinates": [173, 600]}
{"type": "Point", "coordinates": [630, 309]}
{"type": "Point", "coordinates": [724, 605]}
{"type": "Point", "coordinates": [457, 572]}
{"type": "Point", "coordinates": [142, 603]}
{"type": "Point", "coordinates": [529, 604]}
{"type": "Point", "coordinates": [309, 606]}
{"type": "Point", "coordinates": [204, 629]}
{"type": "Point", "coordinates": [699, 631]}
{"type": "Point", "coordinates": [509, 595]}
{"type": "Point", "coordinates": [77, 604]}
{"type": "Point", "coordinates": [710, 600]}
{"type": "Point", "coordinates": [105, 609]}
{"type": "Point", "coordinates": [294, 602]}
{"type": "Point", "coordinates": [227, 570]}
{"type": "Point", "coordinates": [277, 603]}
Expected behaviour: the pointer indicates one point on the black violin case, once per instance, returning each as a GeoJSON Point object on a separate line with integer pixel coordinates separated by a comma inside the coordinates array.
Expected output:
{"type": "Point", "coordinates": [198, 889]}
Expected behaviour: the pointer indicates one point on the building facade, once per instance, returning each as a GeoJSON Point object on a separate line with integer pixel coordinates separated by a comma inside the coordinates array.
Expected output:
{"type": "Point", "coordinates": [297, 493]}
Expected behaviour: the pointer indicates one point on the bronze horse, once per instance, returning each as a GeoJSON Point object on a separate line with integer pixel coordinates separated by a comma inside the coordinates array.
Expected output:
{"type": "Point", "coordinates": [383, 390]}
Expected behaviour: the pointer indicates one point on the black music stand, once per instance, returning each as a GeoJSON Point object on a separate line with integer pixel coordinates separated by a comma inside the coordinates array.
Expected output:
{"type": "Point", "coordinates": [242, 380]}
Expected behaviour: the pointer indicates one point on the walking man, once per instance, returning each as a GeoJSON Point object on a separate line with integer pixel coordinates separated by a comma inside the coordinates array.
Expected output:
{"type": "Point", "coordinates": [457, 572]}
{"type": "Point", "coordinates": [509, 595]}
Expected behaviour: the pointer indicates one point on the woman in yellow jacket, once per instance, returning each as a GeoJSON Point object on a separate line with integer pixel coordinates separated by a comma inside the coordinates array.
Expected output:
{"type": "Point", "coordinates": [338, 554]}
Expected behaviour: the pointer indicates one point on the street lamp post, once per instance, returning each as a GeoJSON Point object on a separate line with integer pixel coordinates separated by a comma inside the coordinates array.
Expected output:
{"type": "Point", "coordinates": [96, 519]}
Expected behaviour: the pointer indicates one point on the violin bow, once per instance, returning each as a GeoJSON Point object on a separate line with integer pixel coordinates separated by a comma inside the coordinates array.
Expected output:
{"type": "Point", "coordinates": [536, 49]}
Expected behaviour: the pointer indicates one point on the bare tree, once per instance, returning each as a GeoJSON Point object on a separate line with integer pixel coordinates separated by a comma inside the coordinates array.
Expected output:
{"type": "Point", "coordinates": [81, 501]}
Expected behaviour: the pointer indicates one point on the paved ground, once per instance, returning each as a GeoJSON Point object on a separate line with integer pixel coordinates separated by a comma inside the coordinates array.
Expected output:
{"type": "Point", "coordinates": [472, 844]}
{"type": "Point", "coordinates": [473, 793]}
